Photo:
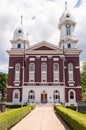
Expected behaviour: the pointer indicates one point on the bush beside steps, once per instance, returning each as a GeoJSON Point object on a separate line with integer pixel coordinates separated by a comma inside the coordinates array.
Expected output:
{"type": "Point", "coordinates": [76, 120]}
{"type": "Point", "coordinates": [8, 119]}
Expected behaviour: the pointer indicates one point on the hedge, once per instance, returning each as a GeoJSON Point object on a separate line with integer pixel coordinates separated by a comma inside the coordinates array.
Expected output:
{"type": "Point", "coordinates": [8, 119]}
{"type": "Point", "coordinates": [14, 106]}
{"type": "Point", "coordinates": [76, 120]}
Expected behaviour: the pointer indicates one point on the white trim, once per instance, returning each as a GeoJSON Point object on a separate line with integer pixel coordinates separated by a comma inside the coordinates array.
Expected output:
{"type": "Point", "coordinates": [37, 56]}
{"type": "Point", "coordinates": [31, 59]}
{"type": "Point", "coordinates": [73, 87]}
{"type": "Point", "coordinates": [72, 101]}
{"type": "Point", "coordinates": [77, 67]}
{"type": "Point", "coordinates": [14, 87]}
{"type": "Point", "coordinates": [10, 67]}
{"type": "Point", "coordinates": [55, 59]}
{"type": "Point", "coordinates": [49, 56]}
{"type": "Point", "coordinates": [43, 59]}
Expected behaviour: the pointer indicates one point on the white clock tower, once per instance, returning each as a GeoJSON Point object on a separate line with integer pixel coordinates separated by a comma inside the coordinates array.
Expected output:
{"type": "Point", "coordinates": [66, 26]}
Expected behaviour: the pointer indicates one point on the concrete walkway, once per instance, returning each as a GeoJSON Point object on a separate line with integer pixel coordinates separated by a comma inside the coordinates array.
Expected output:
{"type": "Point", "coordinates": [41, 118]}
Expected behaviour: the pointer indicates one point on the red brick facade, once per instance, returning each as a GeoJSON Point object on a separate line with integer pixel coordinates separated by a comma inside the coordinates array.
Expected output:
{"type": "Point", "coordinates": [49, 61]}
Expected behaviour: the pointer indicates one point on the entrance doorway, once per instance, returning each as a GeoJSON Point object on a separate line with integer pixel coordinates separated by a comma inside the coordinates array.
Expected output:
{"type": "Point", "coordinates": [44, 97]}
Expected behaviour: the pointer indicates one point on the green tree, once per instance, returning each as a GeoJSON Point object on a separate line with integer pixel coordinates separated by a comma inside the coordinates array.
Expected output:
{"type": "Point", "coordinates": [83, 80]}
{"type": "Point", "coordinates": [3, 82]}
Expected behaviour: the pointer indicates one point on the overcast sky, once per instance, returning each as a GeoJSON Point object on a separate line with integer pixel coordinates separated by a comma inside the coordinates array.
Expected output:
{"type": "Point", "coordinates": [40, 20]}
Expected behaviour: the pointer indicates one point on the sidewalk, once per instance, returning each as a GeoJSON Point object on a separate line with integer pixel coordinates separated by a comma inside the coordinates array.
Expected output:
{"type": "Point", "coordinates": [41, 118]}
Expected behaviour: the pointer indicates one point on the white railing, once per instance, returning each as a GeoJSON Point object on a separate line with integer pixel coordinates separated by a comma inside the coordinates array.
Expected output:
{"type": "Point", "coordinates": [44, 83]}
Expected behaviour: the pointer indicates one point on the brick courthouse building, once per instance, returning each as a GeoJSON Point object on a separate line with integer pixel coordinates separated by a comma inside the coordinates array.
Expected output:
{"type": "Point", "coordinates": [44, 72]}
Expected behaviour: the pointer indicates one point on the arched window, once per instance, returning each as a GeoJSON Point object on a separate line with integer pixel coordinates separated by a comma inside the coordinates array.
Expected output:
{"type": "Point", "coordinates": [32, 72]}
{"type": "Point", "coordinates": [70, 71]}
{"type": "Point", "coordinates": [43, 72]}
{"type": "Point", "coordinates": [56, 72]}
{"type": "Point", "coordinates": [16, 96]}
{"type": "Point", "coordinates": [17, 72]}
{"type": "Point", "coordinates": [71, 95]}
{"type": "Point", "coordinates": [31, 96]}
{"type": "Point", "coordinates": [56, 96]}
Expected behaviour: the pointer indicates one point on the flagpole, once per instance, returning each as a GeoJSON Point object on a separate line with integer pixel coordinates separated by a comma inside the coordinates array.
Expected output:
{"type": "Point", "coordinates": [23, 73]}
{"type": "Point", "coordinates": [64, 72]}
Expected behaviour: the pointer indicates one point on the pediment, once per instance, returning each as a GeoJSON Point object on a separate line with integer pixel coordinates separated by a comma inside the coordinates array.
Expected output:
{"type": "Point", "coordinates": [43, 46]}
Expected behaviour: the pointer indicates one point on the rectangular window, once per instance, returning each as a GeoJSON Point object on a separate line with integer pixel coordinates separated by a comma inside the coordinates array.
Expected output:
{"type": "Point", "coordinates": [16, 96]}
{"type": "Point", "coordinates": [31, 76]}
{"type": "Point", "coordinates": [17, 75]}
{"type": "Point", "coordinates": [69, 45]}
{"type": "Point", "coordinates": [19, 45]}
{"type": "Point", "coordinates": [44, 77]}
{"type": "Point", "coordinates": [56, 76]}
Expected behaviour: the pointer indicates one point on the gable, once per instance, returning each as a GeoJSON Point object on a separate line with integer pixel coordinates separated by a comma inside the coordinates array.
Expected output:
{"type": "Point", "coordinates": [44, 48]}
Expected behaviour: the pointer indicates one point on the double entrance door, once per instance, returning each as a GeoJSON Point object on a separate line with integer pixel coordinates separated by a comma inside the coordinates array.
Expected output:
{"type": "Point", "coordinates": [43, 97]}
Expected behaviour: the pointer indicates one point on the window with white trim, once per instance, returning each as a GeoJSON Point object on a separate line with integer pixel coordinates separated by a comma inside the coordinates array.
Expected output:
{"type": "Point", "coordinates": [16, 96]}
{"type": "Point", "coordinates": [55, 72]}
{"type": "Point", "coordinates": [32, 72]}
{"type": "Point", "coordinates": [43, 72]}
{"type": "Point", "coordinates": [17, 72]}
{"type": "Point", "coordinates": [70, 72]}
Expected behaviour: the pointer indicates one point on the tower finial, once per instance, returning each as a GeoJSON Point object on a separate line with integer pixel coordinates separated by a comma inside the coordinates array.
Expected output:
{"type": "Point", "coordinates": [21, 19]}
{"type": "Point", "coordinates": [65, 5]}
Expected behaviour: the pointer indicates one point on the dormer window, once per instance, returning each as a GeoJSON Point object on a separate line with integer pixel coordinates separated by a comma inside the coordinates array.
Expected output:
{"type": "Point", "coordinates": [19, 45]}
{"type": "Point", "coordinates": [20, 31]}
{"type": "Point", "coordinates": [67, 16]}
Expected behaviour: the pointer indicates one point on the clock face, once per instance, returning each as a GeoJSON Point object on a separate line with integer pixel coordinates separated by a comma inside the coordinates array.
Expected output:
{"type": "Point", "coordinates": [68, 25]}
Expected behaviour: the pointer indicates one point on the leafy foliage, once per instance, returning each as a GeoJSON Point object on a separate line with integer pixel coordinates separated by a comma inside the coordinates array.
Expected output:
{"type": "Point", "coordinates": [83, 81]}
{"type": "Point", "coordinates": [3, 82]}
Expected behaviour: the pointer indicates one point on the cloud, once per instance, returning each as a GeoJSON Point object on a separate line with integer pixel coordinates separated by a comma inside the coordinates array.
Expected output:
{"type": "Point", "coordinates": [40, 20]}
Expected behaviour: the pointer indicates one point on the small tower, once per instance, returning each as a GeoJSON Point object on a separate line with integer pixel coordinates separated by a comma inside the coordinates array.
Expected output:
{"type": "Point", "coordinates": [19, 40]}
{"type": "Point", "coordinates": [66, 26]}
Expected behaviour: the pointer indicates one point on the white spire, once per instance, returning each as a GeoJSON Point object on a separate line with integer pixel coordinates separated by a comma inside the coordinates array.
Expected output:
{"type": "Point", "coordinates": [65, 5]}
{"type": "Point", "coordinates": [21, 19]}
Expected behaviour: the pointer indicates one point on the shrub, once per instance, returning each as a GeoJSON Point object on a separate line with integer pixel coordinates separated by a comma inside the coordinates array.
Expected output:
{"type": "Point", "coordinates": [10, 118]}
{"type": "Point", "coordinates": [76, 120]}
{"type": "Point", "coordinates": [32, 106]}
{"type": "Point", "coordinates": [71, 107]}
{"type": "Point", "coordinates": [14, 106]}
